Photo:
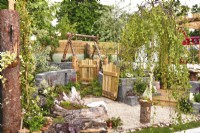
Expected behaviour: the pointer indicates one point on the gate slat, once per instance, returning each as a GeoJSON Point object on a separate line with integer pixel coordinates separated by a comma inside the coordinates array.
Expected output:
{"type": "Point", "coordinates": [110, 81]}
{"type": "Point", "coordinates": [87, 70]}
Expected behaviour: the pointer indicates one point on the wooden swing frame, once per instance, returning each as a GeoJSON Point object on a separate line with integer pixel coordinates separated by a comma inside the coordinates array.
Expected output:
{"type": "Point", "coordinates": [70, 36]}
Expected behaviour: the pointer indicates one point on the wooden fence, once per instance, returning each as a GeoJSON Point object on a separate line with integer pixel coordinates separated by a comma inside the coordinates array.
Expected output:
{"type": "Point", "coordinates": [88, 70]}
{"type": "Point", "coordinates": [110, 81]}
{"type": "Point", "coordinates": [79, 46]}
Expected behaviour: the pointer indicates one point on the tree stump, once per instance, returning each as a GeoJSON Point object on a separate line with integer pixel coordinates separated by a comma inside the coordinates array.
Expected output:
{"type": "Point", "coordinates": [11, 92]}
{"type": "Point", "coordinates": [145, 111]}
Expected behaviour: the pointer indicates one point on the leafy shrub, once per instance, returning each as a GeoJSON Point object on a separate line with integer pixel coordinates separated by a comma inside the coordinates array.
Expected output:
{"type": "Point", "coordinates": [42, 60]}
{"type": "Point", "coordinates": [197, 97]}
{"type": "Point", "coordinates": [184, 105]}
{"type": "Point", "coordinates": [139, 87]}
{"type": "Point", "coordinates": [33, 118]}
{"type": "Point", "coordinates": [93, 89]}
{"type": "Point", "coordinates": [116, 122]}
{"type": "Point", "coordinates": [66, 88]}
{"type": "Point", "coordinates": [69, 59]}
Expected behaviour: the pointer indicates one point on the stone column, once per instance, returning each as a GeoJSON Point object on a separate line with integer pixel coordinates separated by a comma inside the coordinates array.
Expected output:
{"type": "Point", "coordinates": [11, 91]}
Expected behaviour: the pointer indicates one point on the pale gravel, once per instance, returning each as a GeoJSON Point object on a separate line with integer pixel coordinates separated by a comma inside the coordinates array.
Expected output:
{"type": "Point", "coordinates": [130, 115]}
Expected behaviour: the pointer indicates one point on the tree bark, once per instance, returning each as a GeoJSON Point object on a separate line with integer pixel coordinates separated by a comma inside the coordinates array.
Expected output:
{"type": "Point", "coordinates": [11, 91]}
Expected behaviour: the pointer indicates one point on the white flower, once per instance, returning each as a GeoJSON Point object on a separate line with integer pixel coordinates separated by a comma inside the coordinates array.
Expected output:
{"type": "Point", "coordinates": [129, 75]}
{"type": "Point", "coordinates": [45, 91]}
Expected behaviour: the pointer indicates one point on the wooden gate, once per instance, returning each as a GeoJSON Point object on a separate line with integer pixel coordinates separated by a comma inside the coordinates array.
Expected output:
{"type": "Point", "coordinates": [88, 70]}
{"type": "Point", "coordinates": [110, 81]}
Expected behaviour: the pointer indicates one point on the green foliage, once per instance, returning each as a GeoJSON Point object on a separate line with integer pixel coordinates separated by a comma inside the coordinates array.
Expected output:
{"type": "Point", "coordinates": [116, 122]}
{"type": "Point", "coordinates": [193, 55]}
{"type": "Point", "coordinates": [109, 26]}
{"type": "Point", "coordinates": [33, 117]}
{"type": "Point", "coordinates": [6, 59]}
{"type": "Point", "coordinates": [71, 106]}
{"type": "Point", "coordinates": [194, 33]}
{"type": "Point", "coordinates": [3, 4]}
{"type": "Point", "coordinates": [82, 14]}
{"type": "Point", "coordinates": [184, 105]}
{"type": "Point", "coordinates": [170, 129]}
{"type": "Point", "coordinates": [195, 9]}
{"type": "Point", "coordinates": [66, 88]}
{"type": "Point", "coordinates": [154, 32]}
{"type": "Point", "coordinates": [69, 59]}
{"type": "Point", "coordinates": [42, 59]}
{"type": "Point", "coordinates": [93, 89]}
{"type": "Point", "coordinates": [58, 119]}
{"type": "Point", "coordinates": [139, 87]}
{"type": "Point", "coordinates": [197, 97]}
{"type": "Point", "coordinates": [64, 26]}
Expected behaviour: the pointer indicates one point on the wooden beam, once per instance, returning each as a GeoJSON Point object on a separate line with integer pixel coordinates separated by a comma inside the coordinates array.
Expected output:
{"type": "Point", "coordinates": [82, 36]}
{"type": "Point", "coordinates": [11, 4]}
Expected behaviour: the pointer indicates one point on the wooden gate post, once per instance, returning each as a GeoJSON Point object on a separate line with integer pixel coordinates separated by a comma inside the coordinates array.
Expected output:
{"type": "Point", "coordinates": [75, 63]}
{"type": "Point", "coordinates": [105, 61]}
{"type": "Point", "coordinates": [11, 92]}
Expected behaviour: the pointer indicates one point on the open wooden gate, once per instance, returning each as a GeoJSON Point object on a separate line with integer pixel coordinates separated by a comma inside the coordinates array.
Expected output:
{"type": "Point", "coordinates": [88, 70]}
{"type": "Point", "coordinates": [110, 81]}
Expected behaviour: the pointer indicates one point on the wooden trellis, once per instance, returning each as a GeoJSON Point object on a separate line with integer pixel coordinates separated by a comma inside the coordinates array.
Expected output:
{"type": "Point", "coordinates": [110, 81]}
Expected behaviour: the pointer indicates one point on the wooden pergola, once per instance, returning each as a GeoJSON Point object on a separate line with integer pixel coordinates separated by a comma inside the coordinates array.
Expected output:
{"type": "Point", "coordinates": [192, 22]}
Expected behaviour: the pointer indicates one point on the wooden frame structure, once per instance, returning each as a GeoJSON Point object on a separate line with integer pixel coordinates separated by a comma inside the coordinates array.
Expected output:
{"type": "Point", "coordinates": [69, 44]}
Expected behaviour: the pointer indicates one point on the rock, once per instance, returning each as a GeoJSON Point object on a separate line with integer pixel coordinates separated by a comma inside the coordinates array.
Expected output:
{"type": "Point", "coordinates": [81, 119]}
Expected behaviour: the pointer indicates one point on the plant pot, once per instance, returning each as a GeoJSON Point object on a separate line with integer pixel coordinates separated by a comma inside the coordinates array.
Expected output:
{"type": "Point", "coordinates": [145, 111]}
{"type": "Point", "coordinates": [109, 124]}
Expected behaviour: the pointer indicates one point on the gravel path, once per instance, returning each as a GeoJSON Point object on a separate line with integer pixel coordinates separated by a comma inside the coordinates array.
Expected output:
{"type": "Point", "coordinates": [130, 115]}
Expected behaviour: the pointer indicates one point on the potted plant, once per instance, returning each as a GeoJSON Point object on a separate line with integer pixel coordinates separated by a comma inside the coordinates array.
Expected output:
{"type": "Point", "coordinates": [114, 122]}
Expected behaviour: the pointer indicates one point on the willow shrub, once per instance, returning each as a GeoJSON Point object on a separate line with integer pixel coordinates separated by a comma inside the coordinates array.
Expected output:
{"type": "Point", "coordinates": [154, 33]}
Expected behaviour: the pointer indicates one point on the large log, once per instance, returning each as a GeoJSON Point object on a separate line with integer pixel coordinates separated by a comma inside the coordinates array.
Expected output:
{"type": "Point", "coordinates": [11, 92]}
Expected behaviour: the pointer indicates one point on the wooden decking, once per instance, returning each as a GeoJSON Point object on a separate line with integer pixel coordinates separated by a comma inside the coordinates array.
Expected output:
{"type": "Point", "coordinates": [164, 99]}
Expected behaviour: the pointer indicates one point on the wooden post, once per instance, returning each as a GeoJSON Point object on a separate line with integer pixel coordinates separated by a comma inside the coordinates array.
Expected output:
{"type": "Point", "coordinates": [105, 61]}
{"type": "Point", "coordinates": [11, 4]}
{"type": "Point", "coordinates": [11, 92]}
{"type": "Point", "coordinates": [98, 65]}
{"type": "Point", "coordinates": [75, 63]}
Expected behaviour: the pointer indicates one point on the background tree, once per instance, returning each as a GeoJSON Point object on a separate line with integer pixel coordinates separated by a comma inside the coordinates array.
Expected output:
{"type": "Point", "coordinates": [83, 13]}
{"type": "Point", "coordinates": [109, 26]}
{"type": "Point", "coordinates": [3, 4]}
{"type": "Point", "coordinates": [153, 31]}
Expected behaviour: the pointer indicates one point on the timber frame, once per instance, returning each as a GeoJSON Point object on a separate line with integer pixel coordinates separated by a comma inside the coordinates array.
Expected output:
{"type": "Point", "coordinates": [70, 36]}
